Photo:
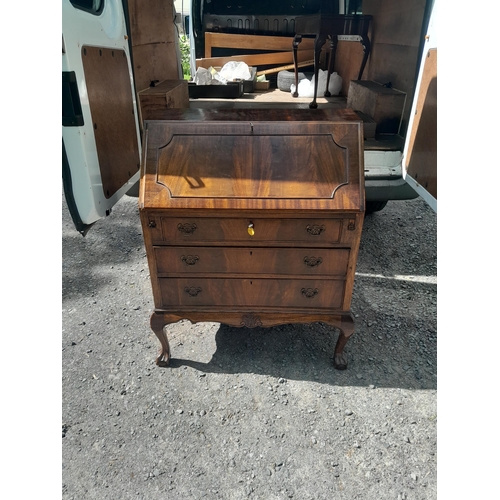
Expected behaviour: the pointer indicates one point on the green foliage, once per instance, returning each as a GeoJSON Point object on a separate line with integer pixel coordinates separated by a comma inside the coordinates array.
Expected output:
{"type": "Point", "coordinates": [185, 56]}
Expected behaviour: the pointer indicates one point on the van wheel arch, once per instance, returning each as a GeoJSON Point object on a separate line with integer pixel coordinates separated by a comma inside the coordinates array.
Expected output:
{"type": "Point", "coordinates": [375, 206]}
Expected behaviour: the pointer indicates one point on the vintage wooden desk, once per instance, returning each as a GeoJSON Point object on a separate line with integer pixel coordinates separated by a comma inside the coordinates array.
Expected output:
{"type": "Point", "coordinates": [253, 217]}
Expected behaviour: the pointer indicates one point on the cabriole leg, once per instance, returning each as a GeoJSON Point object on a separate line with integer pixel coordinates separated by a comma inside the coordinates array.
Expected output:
{"type": "Point", "coordinates": [331, 63]}
{"type": "Point", "coordinates": [157, 325]}
{"type": "Point", "coordinates": [319, 41]}
{"type": "Point", "coordinates": [346, 330]}
{"type": "Point", "coordinates": [295, 44]}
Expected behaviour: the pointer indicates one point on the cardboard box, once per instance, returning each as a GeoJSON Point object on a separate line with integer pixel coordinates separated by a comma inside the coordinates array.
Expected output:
{"type": "Point", "coordinates": [249, 85]}
{"type": "Point", "coordinates": [164, 95]}
{"type": "Point", "coordinates": [262, 85]}
{"type": "Point", "coordinates": [384, 105]}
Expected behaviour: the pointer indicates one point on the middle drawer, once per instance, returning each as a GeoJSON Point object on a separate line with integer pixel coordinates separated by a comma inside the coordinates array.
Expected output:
{"type": "Point", "coordinates": [235, 260]}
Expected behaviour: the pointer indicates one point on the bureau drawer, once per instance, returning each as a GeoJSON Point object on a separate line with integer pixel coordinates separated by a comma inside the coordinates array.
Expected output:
{"type": "Point", "coordinates": [194, 230]}
{"type": "Point", "coordinates": [232, 260]}
{"type": "Point", "coordinates": [252, 292]}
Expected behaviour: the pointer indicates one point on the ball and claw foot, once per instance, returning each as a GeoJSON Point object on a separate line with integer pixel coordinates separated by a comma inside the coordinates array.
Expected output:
{"type": "Point", "coordinates": [339, 357]}
{"type": "Point", "coordinates": [340, 361]}
{"type": "Point", "coordinates": [163, 360]}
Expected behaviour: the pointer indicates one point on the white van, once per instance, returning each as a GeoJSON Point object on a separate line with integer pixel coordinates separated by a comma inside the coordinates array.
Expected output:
{"type": "Point", "coordinates": [112, 49]}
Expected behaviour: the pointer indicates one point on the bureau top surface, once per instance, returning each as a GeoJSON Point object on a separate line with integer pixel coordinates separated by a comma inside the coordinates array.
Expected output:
{"type": "Point", "coordinates": [253, 159]}
{"type": "Point", "coordinates": [254, 114]}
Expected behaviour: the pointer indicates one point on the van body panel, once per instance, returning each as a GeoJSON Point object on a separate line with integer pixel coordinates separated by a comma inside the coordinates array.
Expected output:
{"type": "Point", "coordinates": [420, 152]}
{"type": "Point", "coordinates": [102, 148]}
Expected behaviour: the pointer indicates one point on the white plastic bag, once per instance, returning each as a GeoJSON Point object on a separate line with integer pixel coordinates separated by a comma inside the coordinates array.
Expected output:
{"type": "Point", "coordinates": [208, 76]}
{"type": "Point", "coordinates": [203, 77]}
{"type": "Point", "coordinates": [335, 84]}
{"type": "Point", "coordinates": [235, 70]}
{"type": "Point", "coordinates": [306, 87]}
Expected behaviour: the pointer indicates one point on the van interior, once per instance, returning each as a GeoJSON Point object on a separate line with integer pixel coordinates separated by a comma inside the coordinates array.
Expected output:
{"type": "Point", "coordinates": [395, 32]}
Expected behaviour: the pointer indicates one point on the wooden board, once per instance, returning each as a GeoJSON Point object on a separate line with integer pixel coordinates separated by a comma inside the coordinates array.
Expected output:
{"type": "Point", "coordinates": [153, 39]}
{"type": "Point", "coordinates": [252, 42]}
{"type": "Point", "coordinates": [422, 153]}
{"type": "Point", "coordinates": [257, 59]}
{"type": "Point", "coordinates": [348, 57]}
{"type": "Point", "coordinates": [154, 61]}
{"type": "Point", "coordinates": [111, 107]}
{"type": "Point", "coordinates": [151, 21]}
{"type": "Point", "coordinates": [285, 68]}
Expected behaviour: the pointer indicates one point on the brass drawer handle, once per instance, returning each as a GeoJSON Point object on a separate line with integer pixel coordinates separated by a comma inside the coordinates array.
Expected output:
{"type": "Point", "coordinates": [313, 261]}
{"type": "Point", "coordinates": [192, 291]}
{"type": "Point", "coordinates": [309, 292]}
{"type": "Point", "coordinates": [315, 229]}
{"type": "Point", "coordinates": [190, 260]}
{"type": "Point", "coordinates": [187, 229]}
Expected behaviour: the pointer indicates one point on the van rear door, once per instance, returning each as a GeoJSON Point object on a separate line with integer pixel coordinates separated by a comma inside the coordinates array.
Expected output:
{"type": "Point", "coordinates": [100, 129]}
{"type": "Point", "coordinates": [420, 151]}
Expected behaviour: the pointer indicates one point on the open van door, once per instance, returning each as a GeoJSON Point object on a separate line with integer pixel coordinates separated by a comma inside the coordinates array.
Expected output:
{"type": "Point", "coordinates": [100, 127]}
{"type": "Point", "coordinates": [420, 151]}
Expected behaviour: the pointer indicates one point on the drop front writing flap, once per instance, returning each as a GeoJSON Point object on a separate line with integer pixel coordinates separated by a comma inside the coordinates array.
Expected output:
{"type": "Point", "coordinates": [252, 166]}
{"type": "Point", "coordinates": [254, 159]}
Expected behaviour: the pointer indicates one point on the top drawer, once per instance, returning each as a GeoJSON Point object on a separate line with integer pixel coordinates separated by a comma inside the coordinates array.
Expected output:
{"type": "Point", "coordinates": [246, 231]}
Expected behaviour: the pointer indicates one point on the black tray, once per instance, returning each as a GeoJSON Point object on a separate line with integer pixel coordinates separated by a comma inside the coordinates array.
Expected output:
{"type": "Point", "coordinates": [229, 91]}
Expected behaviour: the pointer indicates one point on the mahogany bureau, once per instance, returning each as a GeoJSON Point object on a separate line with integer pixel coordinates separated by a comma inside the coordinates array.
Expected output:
{"type": "Point", "coordinates": [253, 217]}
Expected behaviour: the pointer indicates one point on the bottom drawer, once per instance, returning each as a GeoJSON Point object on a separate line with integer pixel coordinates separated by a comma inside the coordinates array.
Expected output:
{"type": "Point", "coordinates": [252, 292]}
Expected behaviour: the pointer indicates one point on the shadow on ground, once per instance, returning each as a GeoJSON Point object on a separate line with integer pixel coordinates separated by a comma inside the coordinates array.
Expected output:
{"type": "Point", "coordinates": [393, 352]}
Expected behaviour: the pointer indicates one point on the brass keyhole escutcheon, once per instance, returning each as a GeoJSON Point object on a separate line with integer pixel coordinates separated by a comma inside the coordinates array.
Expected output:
{"type": "Point", "coordinates": [250, 229]}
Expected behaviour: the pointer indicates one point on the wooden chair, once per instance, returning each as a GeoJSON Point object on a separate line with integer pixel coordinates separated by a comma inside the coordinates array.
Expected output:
{"type": "Point", "coordinates": [328, 27]}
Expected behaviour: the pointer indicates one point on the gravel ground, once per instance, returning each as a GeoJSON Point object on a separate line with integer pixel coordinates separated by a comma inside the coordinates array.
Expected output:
{"type": "Point", "coordinates": [249, 413]}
